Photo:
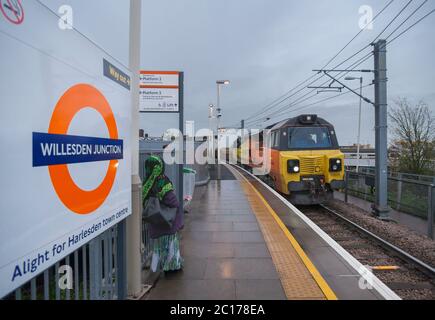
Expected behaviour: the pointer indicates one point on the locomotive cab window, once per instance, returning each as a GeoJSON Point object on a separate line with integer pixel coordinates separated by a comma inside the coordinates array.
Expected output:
{"type": "Point", "coordinates": [276, 143]}
{"type": "Point", "coordinates": [275, 139]}
{"type": "Point", "coordinates": [309, 138]}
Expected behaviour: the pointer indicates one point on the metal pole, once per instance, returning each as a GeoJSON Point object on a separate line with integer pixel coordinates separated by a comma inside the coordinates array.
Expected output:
{"type": "Point", "coordinates": [399, 190]}
{"type": "Point", "coordinates": [121, 265]}
{"type": "Point", "coordinates": [381, 173]}
{"type": "Point", "coordinates": [181, 128]}
{"type": "Point", "coordinates": [242, 124]}
{"type": "Point", "coordinates": [133, 228]}
{"type": "Point", "coordinates": [430, 210]}
{"type": "Point", "coordinates": [217, 133]}
{"type": "Point", "coordinates": [346, 185]}
{"type": "Point", "coordinates": [210, 152]}
{"type": "Point", "coordinates": [359, 125]}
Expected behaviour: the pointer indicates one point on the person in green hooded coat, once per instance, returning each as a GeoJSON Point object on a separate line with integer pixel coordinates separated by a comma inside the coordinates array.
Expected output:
{"type": "Point", "coordinates": [166, 239]}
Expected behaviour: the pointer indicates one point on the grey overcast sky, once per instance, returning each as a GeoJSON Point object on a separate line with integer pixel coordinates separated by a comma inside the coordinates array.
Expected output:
{"type": "Point", "coordinates": [265, 47]}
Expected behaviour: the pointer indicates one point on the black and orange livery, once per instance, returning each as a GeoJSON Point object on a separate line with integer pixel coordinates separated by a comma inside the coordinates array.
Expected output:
{"type": "Point", "coordinates": [306, 163]}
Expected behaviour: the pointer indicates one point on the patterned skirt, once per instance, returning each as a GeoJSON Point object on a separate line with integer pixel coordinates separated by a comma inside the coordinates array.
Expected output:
{"type": "Point", "coordinates": [166, 253]}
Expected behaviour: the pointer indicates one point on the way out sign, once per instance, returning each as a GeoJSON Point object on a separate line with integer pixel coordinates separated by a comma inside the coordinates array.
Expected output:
{"type": "Point", "coordinates": [159, 91]}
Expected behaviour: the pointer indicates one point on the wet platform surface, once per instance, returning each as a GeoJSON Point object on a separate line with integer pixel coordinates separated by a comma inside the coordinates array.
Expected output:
{"type": "Point", "coordinates": [227, 257]}
{"type": "Point", "coordinates": [340, 276]}
{"type": "Point", "coordinates": [224, 251]}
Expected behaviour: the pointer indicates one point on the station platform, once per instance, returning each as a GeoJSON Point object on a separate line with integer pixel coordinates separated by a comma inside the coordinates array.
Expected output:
{"type": "Point", "coordinates": [240, 242]}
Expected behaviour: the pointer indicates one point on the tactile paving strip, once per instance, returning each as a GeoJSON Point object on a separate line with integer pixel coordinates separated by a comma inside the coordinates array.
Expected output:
{"type": "Point", "coordinates": [296, 279]}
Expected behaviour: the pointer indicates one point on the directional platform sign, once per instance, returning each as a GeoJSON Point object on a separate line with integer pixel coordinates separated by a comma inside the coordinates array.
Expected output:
{"type": "Point", "coordinates": [65, 139]}
{"type": "Point", "coordinates": [159, 91]}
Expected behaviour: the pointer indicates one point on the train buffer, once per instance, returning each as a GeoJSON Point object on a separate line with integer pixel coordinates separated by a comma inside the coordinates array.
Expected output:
{"type": "Point", "coordinates": [242, 241]}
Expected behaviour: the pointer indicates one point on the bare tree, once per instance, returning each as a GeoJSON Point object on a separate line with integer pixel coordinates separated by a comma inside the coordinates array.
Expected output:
{"type": "Point", "coordinates": [413, 130]}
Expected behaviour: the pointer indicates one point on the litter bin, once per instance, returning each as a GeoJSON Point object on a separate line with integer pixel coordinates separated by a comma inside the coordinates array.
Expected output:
{"type": "Point", "coordinates": [188, 186]}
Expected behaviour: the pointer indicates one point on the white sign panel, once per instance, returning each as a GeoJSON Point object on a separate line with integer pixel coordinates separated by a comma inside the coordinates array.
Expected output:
{"type": "Point", "coordinates": [65, 134]}
{"type": "Point", "coordinates": [159, 91]}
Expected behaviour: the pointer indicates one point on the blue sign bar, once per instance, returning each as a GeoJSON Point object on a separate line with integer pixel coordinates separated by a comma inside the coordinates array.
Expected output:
{"type": "Point", "coordinates": [52, 149]}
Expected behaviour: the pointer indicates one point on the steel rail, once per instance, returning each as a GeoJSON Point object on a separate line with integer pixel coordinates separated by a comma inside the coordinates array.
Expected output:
{"type": "Point", "coordinates": [420, 265]}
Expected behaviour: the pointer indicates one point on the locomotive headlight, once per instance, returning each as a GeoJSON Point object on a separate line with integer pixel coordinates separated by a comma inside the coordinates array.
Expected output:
{"type": "Point", "coordinates": [335, 165]}
{"type": "Point", "coordinates": [293, 166]}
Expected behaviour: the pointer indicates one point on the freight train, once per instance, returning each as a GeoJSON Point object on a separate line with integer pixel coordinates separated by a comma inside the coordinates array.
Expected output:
{"type": "Point", "coordinates": [306, 163]}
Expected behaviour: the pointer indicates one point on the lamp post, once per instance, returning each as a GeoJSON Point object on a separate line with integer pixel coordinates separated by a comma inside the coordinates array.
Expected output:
{"type": "Point", "coordinates": [129, 232]}
{"type": "Point", "coordinates": [211, 116]}
{"type": "Point", "coordinates": [219, 83]}
{"type": "Point", "coordinates": [359, 119]}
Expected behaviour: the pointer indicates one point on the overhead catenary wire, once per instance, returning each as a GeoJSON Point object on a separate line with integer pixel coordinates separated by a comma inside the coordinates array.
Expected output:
{"type": "Point", "coordinates": [283, 97]}
{"type": "Point", "coordinates": [392, 20]}
{"type": "Point", "coordinates": [362, 29]}
{"type": "Point", "coordinates": [323, 100]}
{"type": "Point", "coordinates": [279, 112]}
{"type": "Point", "coordinates": [329, 98]}
{"type": "Point", "coordinates": [303, 88]}
{"type": "Point", "coordinates": [303, 99]}
{"type": "Point", "coordinates": [324, 83]}
{"type": "Point", "coordinates": [404, 21]}
{"type": "Point", "coordinates": [413, 25]}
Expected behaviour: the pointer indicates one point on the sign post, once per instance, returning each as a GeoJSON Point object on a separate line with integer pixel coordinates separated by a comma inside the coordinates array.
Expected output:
{"type": "Point", "coordinates": [160, 91]}
{"type": "Point", "coordinates": [163, 92]}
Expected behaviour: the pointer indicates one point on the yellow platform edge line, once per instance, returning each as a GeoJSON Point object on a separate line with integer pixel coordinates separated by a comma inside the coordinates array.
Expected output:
{"type": "Point", "coordinates": [321, 282]}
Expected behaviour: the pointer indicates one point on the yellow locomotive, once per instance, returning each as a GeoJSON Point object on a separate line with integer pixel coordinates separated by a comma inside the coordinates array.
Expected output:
{"type": "Point", "coordinates": [306, 163]}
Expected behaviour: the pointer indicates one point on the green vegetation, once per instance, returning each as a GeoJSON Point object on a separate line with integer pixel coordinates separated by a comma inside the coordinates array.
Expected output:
{"type": "Point", "coordinates": [413, 200]}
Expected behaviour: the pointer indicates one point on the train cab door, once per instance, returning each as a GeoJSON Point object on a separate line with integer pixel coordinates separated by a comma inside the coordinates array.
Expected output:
{"type": "Point", "coordinates": [274, 161]}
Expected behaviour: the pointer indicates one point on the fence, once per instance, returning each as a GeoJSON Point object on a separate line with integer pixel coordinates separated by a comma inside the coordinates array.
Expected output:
{"type": "Point", "coordinates": [97, 272]}
{"type": "Point", "coordinates": [98, 267]}
{"type": "Point", "coordinates": [401, 175]}
{"type": "Point", "coordinates": [414, 194]}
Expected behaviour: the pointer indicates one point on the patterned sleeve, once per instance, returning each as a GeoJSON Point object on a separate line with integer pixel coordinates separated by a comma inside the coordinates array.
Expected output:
{"type": "Point", "coordinates": [170, 199]}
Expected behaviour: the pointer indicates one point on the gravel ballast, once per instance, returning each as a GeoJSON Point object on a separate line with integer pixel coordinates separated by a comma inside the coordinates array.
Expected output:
{"type": "Point", "coordinates": [419, 246]}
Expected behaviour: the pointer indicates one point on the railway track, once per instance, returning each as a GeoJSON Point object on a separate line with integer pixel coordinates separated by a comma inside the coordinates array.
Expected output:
{"type": "Point", "coordinates": [405, 274]}
{"type": "Point", "coordinates": [409, 277]}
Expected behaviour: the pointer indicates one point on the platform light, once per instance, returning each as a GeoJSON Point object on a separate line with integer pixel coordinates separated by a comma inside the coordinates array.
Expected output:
{"type": "Point", "coordinates": [226, 82]}
{"type": "Point", "coordinates": [219, 115]}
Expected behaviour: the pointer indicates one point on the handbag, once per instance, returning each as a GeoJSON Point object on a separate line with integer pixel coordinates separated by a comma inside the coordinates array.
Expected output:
{"type": "Point", "coordinates": [157, 213]}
